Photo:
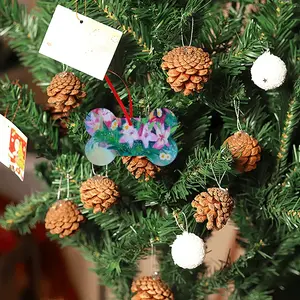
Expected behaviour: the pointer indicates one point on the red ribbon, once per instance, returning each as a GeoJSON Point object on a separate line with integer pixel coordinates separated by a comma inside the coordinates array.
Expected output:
{"type": "Point", "coordinates": [129, 115]}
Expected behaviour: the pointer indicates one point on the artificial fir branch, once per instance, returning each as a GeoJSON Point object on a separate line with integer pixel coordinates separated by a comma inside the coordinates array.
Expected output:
{"type": "Point", "coordinates": [24, 34]}
{"type": "Point", "coordinates": [116, 240]}
{"type": "Point", "coordinates": [286, 134]}
{"type": "Point", "coordinates": [277, 21]}
{"type": "Point", "coordinates": [80, 169]}
{"type": "Point", "coordinates": [107, 263]}
{"type": "Point", "coordinates": [285, 138]}
{"type": "Point", "coordinates": [25, 31]}
{"type": "Point", "coordinates": [244, 50]}
{"type": "Point", "coordinates": [227, 275]}
{"type": "Point", "coordinates": [289, 126]}
{"type": "Point", "coordinates": [283, 198]}
{"type": "Point", "coordinates": [200, 169]}
{"type": "Point", "coordinates": [24, 216]}
{"type": "Point", "coordinates": [19, 102]}
{"type": "Point", "coordinates": [125, 29]}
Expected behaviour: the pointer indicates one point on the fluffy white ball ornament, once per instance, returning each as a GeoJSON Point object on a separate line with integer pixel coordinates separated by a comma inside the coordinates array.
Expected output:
{"type": "Point", "coordinates": [268, 71]}
{"type": "Point", "coordinates": [188, 250]}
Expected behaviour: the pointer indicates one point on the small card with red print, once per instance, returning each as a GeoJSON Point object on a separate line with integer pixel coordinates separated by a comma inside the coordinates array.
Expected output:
{"type": "Point", "coordinates": [13, 147]}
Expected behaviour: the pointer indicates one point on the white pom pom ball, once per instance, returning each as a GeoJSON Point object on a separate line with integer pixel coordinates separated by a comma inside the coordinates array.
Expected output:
{"type": "Point", "coordinates": [188, 250]}
{"type": "Point", "coordinates": [268, 71]}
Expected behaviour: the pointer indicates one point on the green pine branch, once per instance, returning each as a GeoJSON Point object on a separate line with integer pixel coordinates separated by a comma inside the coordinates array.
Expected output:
{"type": "Point", "coordinates": [244, 50]}
{"type": "Point", "coordinates": [23, 216]}
{"type": "Point", "coordinates": [108, 260]}
{"type": "Point", "coordinates": [267, 211]}
{"type": "Point", "coordinates": [256, 121]}
{"type": "Point", "coordinates": [290, 125]}
{"type": "Point", "coordinates": [230, 273]}
{"type": "Point", "coordinates": [122, 240]}
{"type": "Point", "coordinates": [201, 168]}
{"type": "Point", "coordinates": [25, 33]}
{"type": "Point", "coordinates": [18, 101]}
{"type": "Point", "coordinates": [277, 21]}
{"type": "Point", "coordinates": [120, 13]}
{"type": "Point", "coordinates": [283, 200]}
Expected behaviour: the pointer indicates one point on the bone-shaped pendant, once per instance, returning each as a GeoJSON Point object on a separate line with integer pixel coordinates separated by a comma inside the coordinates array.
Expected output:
{"type": "Point", "coordinates": [112, 136]}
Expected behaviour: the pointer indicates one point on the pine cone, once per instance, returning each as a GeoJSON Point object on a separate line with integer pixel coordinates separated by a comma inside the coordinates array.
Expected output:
{"type": "Point", "coordinates": [150, 288]}
{"type": "Point", "coordinates": [215, 206]}
{"type": "Point", "coordinates": [188, 69]}
{"type": "Point", "coordinates": [65, 93]}
{"type": "Point", "coordinates": [99, 193]}
{"type": "Point", "coordinates": [140, 165]}
{"type": "Point", "coordinates": [245, 151]}
{"type": "Point", "coordinates": [63, 218]}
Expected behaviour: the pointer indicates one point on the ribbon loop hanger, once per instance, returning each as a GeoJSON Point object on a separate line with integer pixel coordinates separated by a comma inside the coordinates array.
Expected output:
{"type": "Point", "coordinates": [129, 115]}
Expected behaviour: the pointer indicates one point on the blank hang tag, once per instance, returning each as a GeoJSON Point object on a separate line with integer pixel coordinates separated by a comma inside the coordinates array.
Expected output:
{"type": "Point", "coordinates": [85, 45]}
{"type": "Point", "coordinates": [12, 147]}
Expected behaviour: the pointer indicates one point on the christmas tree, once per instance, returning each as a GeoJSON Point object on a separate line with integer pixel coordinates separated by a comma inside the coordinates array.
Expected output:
{"type": "Point", "coordinates": [237, 139]}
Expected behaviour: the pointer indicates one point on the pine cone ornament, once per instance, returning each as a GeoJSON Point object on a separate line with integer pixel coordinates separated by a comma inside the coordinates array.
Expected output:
{"type": "Point", "coordinates": [215, 206]}
{"type": "Point", "coordinates": [65, 93]}
{"type": "Point", "coordinates": [245, 151]}
{"type": "Point", "coordinates": [188, 69]}
{"type": "Point", "coordinates": [99, 193]}
{"type": "Point", "coordinates": [63, 218]}
{"type": "Point", "coordinates": [140, 166]}
{"type": "Point", "coordinates": [151, 288]}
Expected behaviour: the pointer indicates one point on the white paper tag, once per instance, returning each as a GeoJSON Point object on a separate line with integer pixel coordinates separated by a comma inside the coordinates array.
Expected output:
{"type": "Point", "coordinates": [88, 46]}
{"type": "Point", "coordinates": [12, 147]}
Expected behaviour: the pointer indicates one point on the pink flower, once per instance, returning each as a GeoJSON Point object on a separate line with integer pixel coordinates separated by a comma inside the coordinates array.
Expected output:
{"type": "Point", "coordinates": [130, 134]}
{"type": "Point", "coordinates": [157, 115]}
{"type": "Point", "coordinates": [146, 135]}
{"type": "Point", "coordinates": [107, 116]}
{"type": "Point", "coordinates": [93, 122]}
{"type": "Point", "coordinates": [162, 136]}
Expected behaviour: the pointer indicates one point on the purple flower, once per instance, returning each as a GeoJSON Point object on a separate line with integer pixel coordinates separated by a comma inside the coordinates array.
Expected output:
{"type": "Point", "coordinates": [130, 134]}
{"type": "Point", "coordinates": [146, 135]}
{"type": "Point", "coordinates": [162, 136]}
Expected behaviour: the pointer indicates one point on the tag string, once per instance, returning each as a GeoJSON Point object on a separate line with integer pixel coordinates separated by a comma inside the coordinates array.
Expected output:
{"type": "Point", "coordinates": [59, 188]}
{"type": "Point", "coordinates": [68, 186]}
{"type": "Point", "coordinates": [129, 115]}
{"type": "Point", "coordinates": [218, 182]}
{"type": "Point", "coordinates": [175, 214]}
{"type": "Point", "coordinates": [152, 256]}
{"type": "Point", "coordinates": [237, 111]}
{"type": "Point", "coordinates": [6, 111]}
{"type": "Point", "coordinates": [181, 32]}
{"type": "Point", "coordinates": [85, 5]}
{"type": "Point", "coordinates": [93, 171]}
{"type": "Point", "coordinates": [15, 113]}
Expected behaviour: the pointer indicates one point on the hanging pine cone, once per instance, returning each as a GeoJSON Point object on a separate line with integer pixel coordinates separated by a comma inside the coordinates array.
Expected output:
{"type": "Point", "coordinates": [65, 93]}
{"type": "Point", "coordinates": [99, 193]}
{"type": "Point", "coordinates": [140, 166]}
{"type": "Point", "coordinates": [63, 218]}
{"type": "Point", "coordinates": [215, 206]}
{"type": "Point", "coordinates": [151, 288]}
{"type": "Point", "coordinates": [245, 151]}
{"type": "Point", "coordinates": [188, 69]}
